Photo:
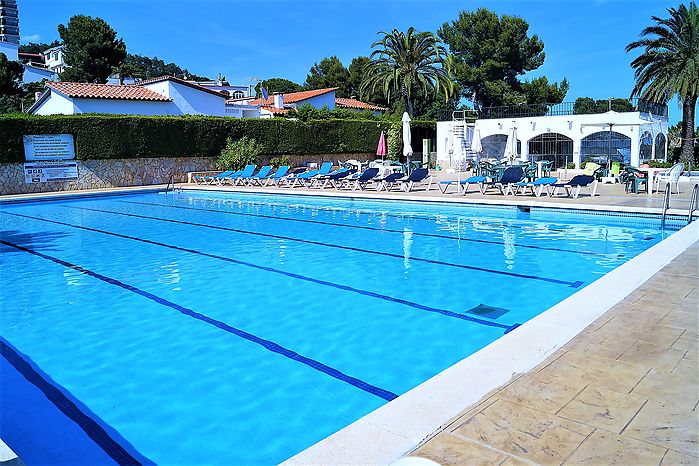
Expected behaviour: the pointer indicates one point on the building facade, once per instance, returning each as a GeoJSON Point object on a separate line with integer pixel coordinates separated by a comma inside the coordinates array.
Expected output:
{"type": "Point", "coordinates": [9, 21]}
{"type": "Point", "coordinates": [560, 135]}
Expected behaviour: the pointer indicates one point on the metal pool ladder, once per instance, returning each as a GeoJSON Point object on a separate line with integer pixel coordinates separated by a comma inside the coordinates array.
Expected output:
{"type": "Point", "coordinates": [171, 181]}
{"type": "Point", "coordinates": [666, 204]}
{"type": "Point", "coordinates": [693, 203]}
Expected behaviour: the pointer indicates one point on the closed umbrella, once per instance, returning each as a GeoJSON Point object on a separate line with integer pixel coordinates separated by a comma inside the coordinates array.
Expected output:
{"type": "Point", "coordinates": [511, 146]}
{"type": "Point", "coordinates": [407, 148]}
{"type": "Point", "coordinates": [381, 149]}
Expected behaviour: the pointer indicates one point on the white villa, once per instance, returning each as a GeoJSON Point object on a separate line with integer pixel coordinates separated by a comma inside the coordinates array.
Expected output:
{"type": "Point", "coordinates": [560, 135]}
{"type": "Point", "coordinates": [165, 95]}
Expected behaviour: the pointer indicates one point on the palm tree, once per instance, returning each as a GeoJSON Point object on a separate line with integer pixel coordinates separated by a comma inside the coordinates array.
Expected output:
{"type": "Point", "coordinates": [408, 63]}
{"type": "Point", "coordinates": [669, 65]}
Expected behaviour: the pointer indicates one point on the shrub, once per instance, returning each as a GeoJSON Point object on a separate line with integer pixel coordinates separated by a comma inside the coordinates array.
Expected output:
{"type": "Point", "coordinates": [280, 161]}
{"type": "Point", "coordinates": [658, 164]}
{"type": "Point", "coordinates": [237, 154]}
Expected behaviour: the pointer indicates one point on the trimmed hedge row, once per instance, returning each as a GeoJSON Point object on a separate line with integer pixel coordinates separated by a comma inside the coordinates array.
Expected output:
{"type": "Point", "coordinates": [123, 137]}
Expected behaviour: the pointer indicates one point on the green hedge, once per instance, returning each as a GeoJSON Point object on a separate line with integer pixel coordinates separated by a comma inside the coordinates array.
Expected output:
{"type": "Point", "coordinates": [123, 137]}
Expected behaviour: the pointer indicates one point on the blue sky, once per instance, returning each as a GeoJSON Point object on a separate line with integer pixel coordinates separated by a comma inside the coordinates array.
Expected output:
{"type": "Point", "coordinates": [584, 41]}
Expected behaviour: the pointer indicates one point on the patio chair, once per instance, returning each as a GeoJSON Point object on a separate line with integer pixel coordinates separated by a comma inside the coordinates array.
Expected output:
{"type": "Point", "coordinates": [419, 176]}
{"type": "Point", "coordinates": [232, 179]}
{"type": "Point", "coordinates": [262, 174]}
{"type": "Point", "coordinates": [537, 186]}
{"type": "Point", "coordinates": [509, 177]}
{"type": "Point", "coordinates": [594, 169]}
{"type": "Point", "coordinates": [576, 184]}
{"type": "Point", "coordinates": [276, 177]}
{"type": "Point", "coordinates": [671, 176]}
{"type": "Point", "coordinates": [635, 179]}
{"type": "Point", "coordinates": [362, 180]}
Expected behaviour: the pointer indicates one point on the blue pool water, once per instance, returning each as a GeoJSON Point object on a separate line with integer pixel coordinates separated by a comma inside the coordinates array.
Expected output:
{"type": "Point", "coordinates": [233, 328]}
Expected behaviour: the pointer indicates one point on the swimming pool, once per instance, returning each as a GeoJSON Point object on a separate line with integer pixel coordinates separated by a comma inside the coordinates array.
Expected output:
{"type": "Point", "coordinates": [198, 327]}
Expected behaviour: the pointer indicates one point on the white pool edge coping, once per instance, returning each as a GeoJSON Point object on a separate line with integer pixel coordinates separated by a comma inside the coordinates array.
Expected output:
{"type": "Point", "coordinates": [396, 428]}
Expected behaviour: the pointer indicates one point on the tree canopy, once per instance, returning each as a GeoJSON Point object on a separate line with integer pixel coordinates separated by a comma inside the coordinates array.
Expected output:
{"type": "Point", "coordinates": [587, 105]}
{"type": "Point", "coordinates": [140, 66]}
{"type": "Point", "coordinates": [281, 85]}
{"type": "Point", "coordinates": [405, 65]}
{"type": "Point", "coordinates": [490, 53]}
{"type": "Point", "coordinates": [92, 50]}
{"type": "Point", "coordinates": [329, 72]}
{"type": "Point", "coordinates": [38, 47]}
{"type": "Point", "coordinates": [669, 65]}
{"type": "Point", "coordinates": [10, 85]}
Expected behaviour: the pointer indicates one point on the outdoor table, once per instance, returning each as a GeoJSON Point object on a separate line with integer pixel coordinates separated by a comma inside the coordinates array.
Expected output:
{"type": "Point", "coordinates": [651, 176]}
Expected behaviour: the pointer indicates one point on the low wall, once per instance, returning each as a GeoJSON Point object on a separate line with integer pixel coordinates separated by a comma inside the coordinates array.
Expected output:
{"type": "Point", "coordinates": [94, 174]}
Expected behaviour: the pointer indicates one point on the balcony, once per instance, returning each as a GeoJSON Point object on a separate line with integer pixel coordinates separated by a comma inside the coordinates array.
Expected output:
{"type": "Point", "coordinates": [579, 107]}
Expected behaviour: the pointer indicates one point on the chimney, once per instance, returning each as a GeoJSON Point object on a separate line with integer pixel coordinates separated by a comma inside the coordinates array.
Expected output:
{"type": "Point", "coordinates": [278, 100]}
{"type": "Point", "coordinates": [37, 95]}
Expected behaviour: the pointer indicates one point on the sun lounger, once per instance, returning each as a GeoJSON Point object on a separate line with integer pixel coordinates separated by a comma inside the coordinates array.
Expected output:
{"type": "Point", "coordinates": [210, 179]}
{"type": "Point", "coordinates": [576, 184]}
{"type": "Point", "coordinates": [362, 180]}
{"type": "Point", "coordinates": [390, 180]}
{"type": "Point", "coordinates": [262, 174]}
{"type": "Point", "coordinates": [276, 177]}
{"type": "Point", "coordinates": [418, 176]}
{"type": "Point", "coordinates": [444, 185]}
{"type": "Point", "coordinates": [510, 176]}
{"type": "Point", "coordinates": [305, 179]}
{"type": "Point", "coordinates": [537, 186]}
{"type": "Point", "coordinates": [334, 178]}
{"type": "Point", "coordinates": [245, 172]}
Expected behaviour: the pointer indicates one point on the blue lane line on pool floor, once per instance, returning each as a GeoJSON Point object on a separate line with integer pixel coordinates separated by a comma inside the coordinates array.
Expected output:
{"type": "Point", "coordinates": [267, 344]}
{"type": "Point", "coordinates": [91, 427]}
{"type": "Point", "coordinates": [366, 227]}
{"type": "Point", "coordinates": [575, 284]}
{"type": "Point", "coordinates": [282, 272]}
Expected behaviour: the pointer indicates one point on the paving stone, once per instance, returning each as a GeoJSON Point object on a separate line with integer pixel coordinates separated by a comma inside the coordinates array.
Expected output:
{"type": "Point", "coordinates": [609, 448]}
{"type": "Point", "coordinates": [602, 408]}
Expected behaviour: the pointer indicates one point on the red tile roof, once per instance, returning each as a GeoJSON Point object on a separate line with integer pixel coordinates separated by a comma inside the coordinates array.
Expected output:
{"type": "Point", "coordinates": [274, 110]}
{"type": "Point", "coordinates": [106, 91]}
{"type": "Point", "coordinates": [358, 104]}
{"type": "Point", "coordinates": [180, 81]}
{"type": "Point", "coordinates": [294, 97]}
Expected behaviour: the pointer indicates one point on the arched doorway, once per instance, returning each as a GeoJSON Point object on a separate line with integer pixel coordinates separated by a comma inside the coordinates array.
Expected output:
{"type": "Point", "coordinates": [602, 146]}
{"type": "Point", "coordinates": [645, 151]}
{"type": "Point", "coordinates": [554, 147]}
{"type": "Point", "coordinates": [494, 146]}
{"type": "Point", "coordinates": [660, 146]}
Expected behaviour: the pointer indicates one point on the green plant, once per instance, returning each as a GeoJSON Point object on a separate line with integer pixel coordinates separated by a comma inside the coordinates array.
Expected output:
{"type": "Point", "coordinates": [238, 153]}
{"type": "Point", "coordinates": [658, 164]}
{"type": "Point", "coordinates": [280, 160]}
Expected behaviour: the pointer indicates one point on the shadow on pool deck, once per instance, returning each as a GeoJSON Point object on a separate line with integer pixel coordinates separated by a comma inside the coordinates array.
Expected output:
{"type": "Point", "coordinates": [624, 391]}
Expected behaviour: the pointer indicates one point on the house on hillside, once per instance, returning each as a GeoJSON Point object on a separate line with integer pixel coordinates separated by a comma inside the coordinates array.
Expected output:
{"type": "Point", "coordinates": [165, 95]}
{"type": "Point", "coordinates": [279, 104]}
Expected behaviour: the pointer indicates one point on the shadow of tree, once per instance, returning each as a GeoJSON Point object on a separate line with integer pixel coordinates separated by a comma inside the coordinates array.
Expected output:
{"type": "Point", "coordinates": [39, 240]}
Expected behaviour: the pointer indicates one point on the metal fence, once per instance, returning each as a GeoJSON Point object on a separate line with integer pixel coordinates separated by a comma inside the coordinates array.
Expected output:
{"type": "Point", "coordinates": [579, 107]}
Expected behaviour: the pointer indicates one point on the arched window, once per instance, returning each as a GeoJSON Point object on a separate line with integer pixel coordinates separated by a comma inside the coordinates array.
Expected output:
{"type": "Point", "coordinates": [554, 147]}
{"type": "Point", "coordinates": [601, 146]}
{"type": "Point", "coordinates": [646, 150]}
{"type": "Point", "coordinates": [494, 146]}
{"type": "Point", "coordinates": [238, 94]}
{"type": "Point", "coordinates": [660, 146]}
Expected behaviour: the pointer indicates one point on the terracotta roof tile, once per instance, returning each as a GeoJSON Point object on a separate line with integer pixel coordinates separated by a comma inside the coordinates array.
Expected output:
{"type": "Point", "coordinates": [294, 97]}
{"type": "Point", "coordinates": [274, 110]}
{"type": "Point", "coordinates": [106, 91]}
{"type": "Point", "coordinates": [358, 104]}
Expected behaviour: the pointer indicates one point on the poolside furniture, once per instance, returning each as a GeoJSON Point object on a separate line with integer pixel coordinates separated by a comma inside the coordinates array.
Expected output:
{"type": "Point", "coordinates": [671, 176]}
{"type": "Point", "coordinates": [247, 171]}
{"type": "Point", "coordinates": [418, 176]}
{"type": "Point", "coordinates": [635, 179]}
{"type": "Point", "coordinates": [594, 169]}
{"type": "Point", "coordinates": [509, 177]}
{"type": "Point", "coordinates": [307, 177]}
{"type": "Point", "coordinates": [262, 174]}
{"type": "Point", "coordinates": [530, 171]}
{"type": "Point", "coordinates": [390, 180]}
{"type": "Point", "coordinates": [210, 179]}
{"type": "Point", "coordinates": [362, 180]}
{"type": "Point", "coordinates": [444, 185]}
{"type": "Point", "coordinates": [537, 186]}
{"type": "Point", "coordinates": [275, 177]}
{"type": "Point", "coordinates": [576, 184]}
{"type": "Point", "coordinates": [336, 177]}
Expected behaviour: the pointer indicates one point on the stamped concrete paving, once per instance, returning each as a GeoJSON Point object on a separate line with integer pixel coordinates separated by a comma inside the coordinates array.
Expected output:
{"type": "Point", "coordinates": [624, 391]}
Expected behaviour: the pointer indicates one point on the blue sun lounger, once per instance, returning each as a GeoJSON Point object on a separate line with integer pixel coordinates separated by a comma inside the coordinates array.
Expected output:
{"type": "Point", "coordinates": [537, 186]}
{"type": "Point", "coordinates": [334, 178]}
{"type": "Point", "coordinates": [261, 175]}
{"type": "Point", "coordinates": [576, 184]}
{"type": "Point", "coordinates": [510, 176]}
{"type": "Point", "coordinates": [247, 171]}
{"type": "Point", "coordinates": [444, 185]}
{"type": "Point", "coordinates": [276, 177]}
{"type": "Point", "coordinates": [362, 180]}
{"type": "Point", "coordinates": [210, 179]}
{"type": "Point", "coordinates": [308, 176]}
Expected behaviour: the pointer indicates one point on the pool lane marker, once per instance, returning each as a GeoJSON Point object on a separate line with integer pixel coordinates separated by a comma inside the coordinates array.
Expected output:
{"type": "Point", "coordinates": [92, 428]}
{"type": "Point", "coordinates": [371, 294]}
{"type": "Point", "coordinates": [575, 284]}
{"type": "Point", "coordinates": [267, 344]}
{"type": "Point", "coordinates": [366, 227]}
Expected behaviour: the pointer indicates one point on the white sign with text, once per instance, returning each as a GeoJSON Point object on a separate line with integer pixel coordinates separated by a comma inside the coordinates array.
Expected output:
{"type": "Point", "coordinates": [38, 147]}
{"type": "Point", "coordinates": [41, 172]}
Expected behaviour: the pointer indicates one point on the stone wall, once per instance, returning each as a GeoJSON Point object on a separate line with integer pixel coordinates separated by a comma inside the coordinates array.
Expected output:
{"type": "Point", "coordinates": [94, 174]}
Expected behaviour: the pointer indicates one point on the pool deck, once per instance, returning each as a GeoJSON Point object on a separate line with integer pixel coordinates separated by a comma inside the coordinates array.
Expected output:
{"type": "Point", "coordinates": [624, 391]}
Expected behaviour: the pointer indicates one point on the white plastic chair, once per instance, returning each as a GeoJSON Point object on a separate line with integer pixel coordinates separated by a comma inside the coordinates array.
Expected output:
{"type": "Point", "coordinates": [672, 176]}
